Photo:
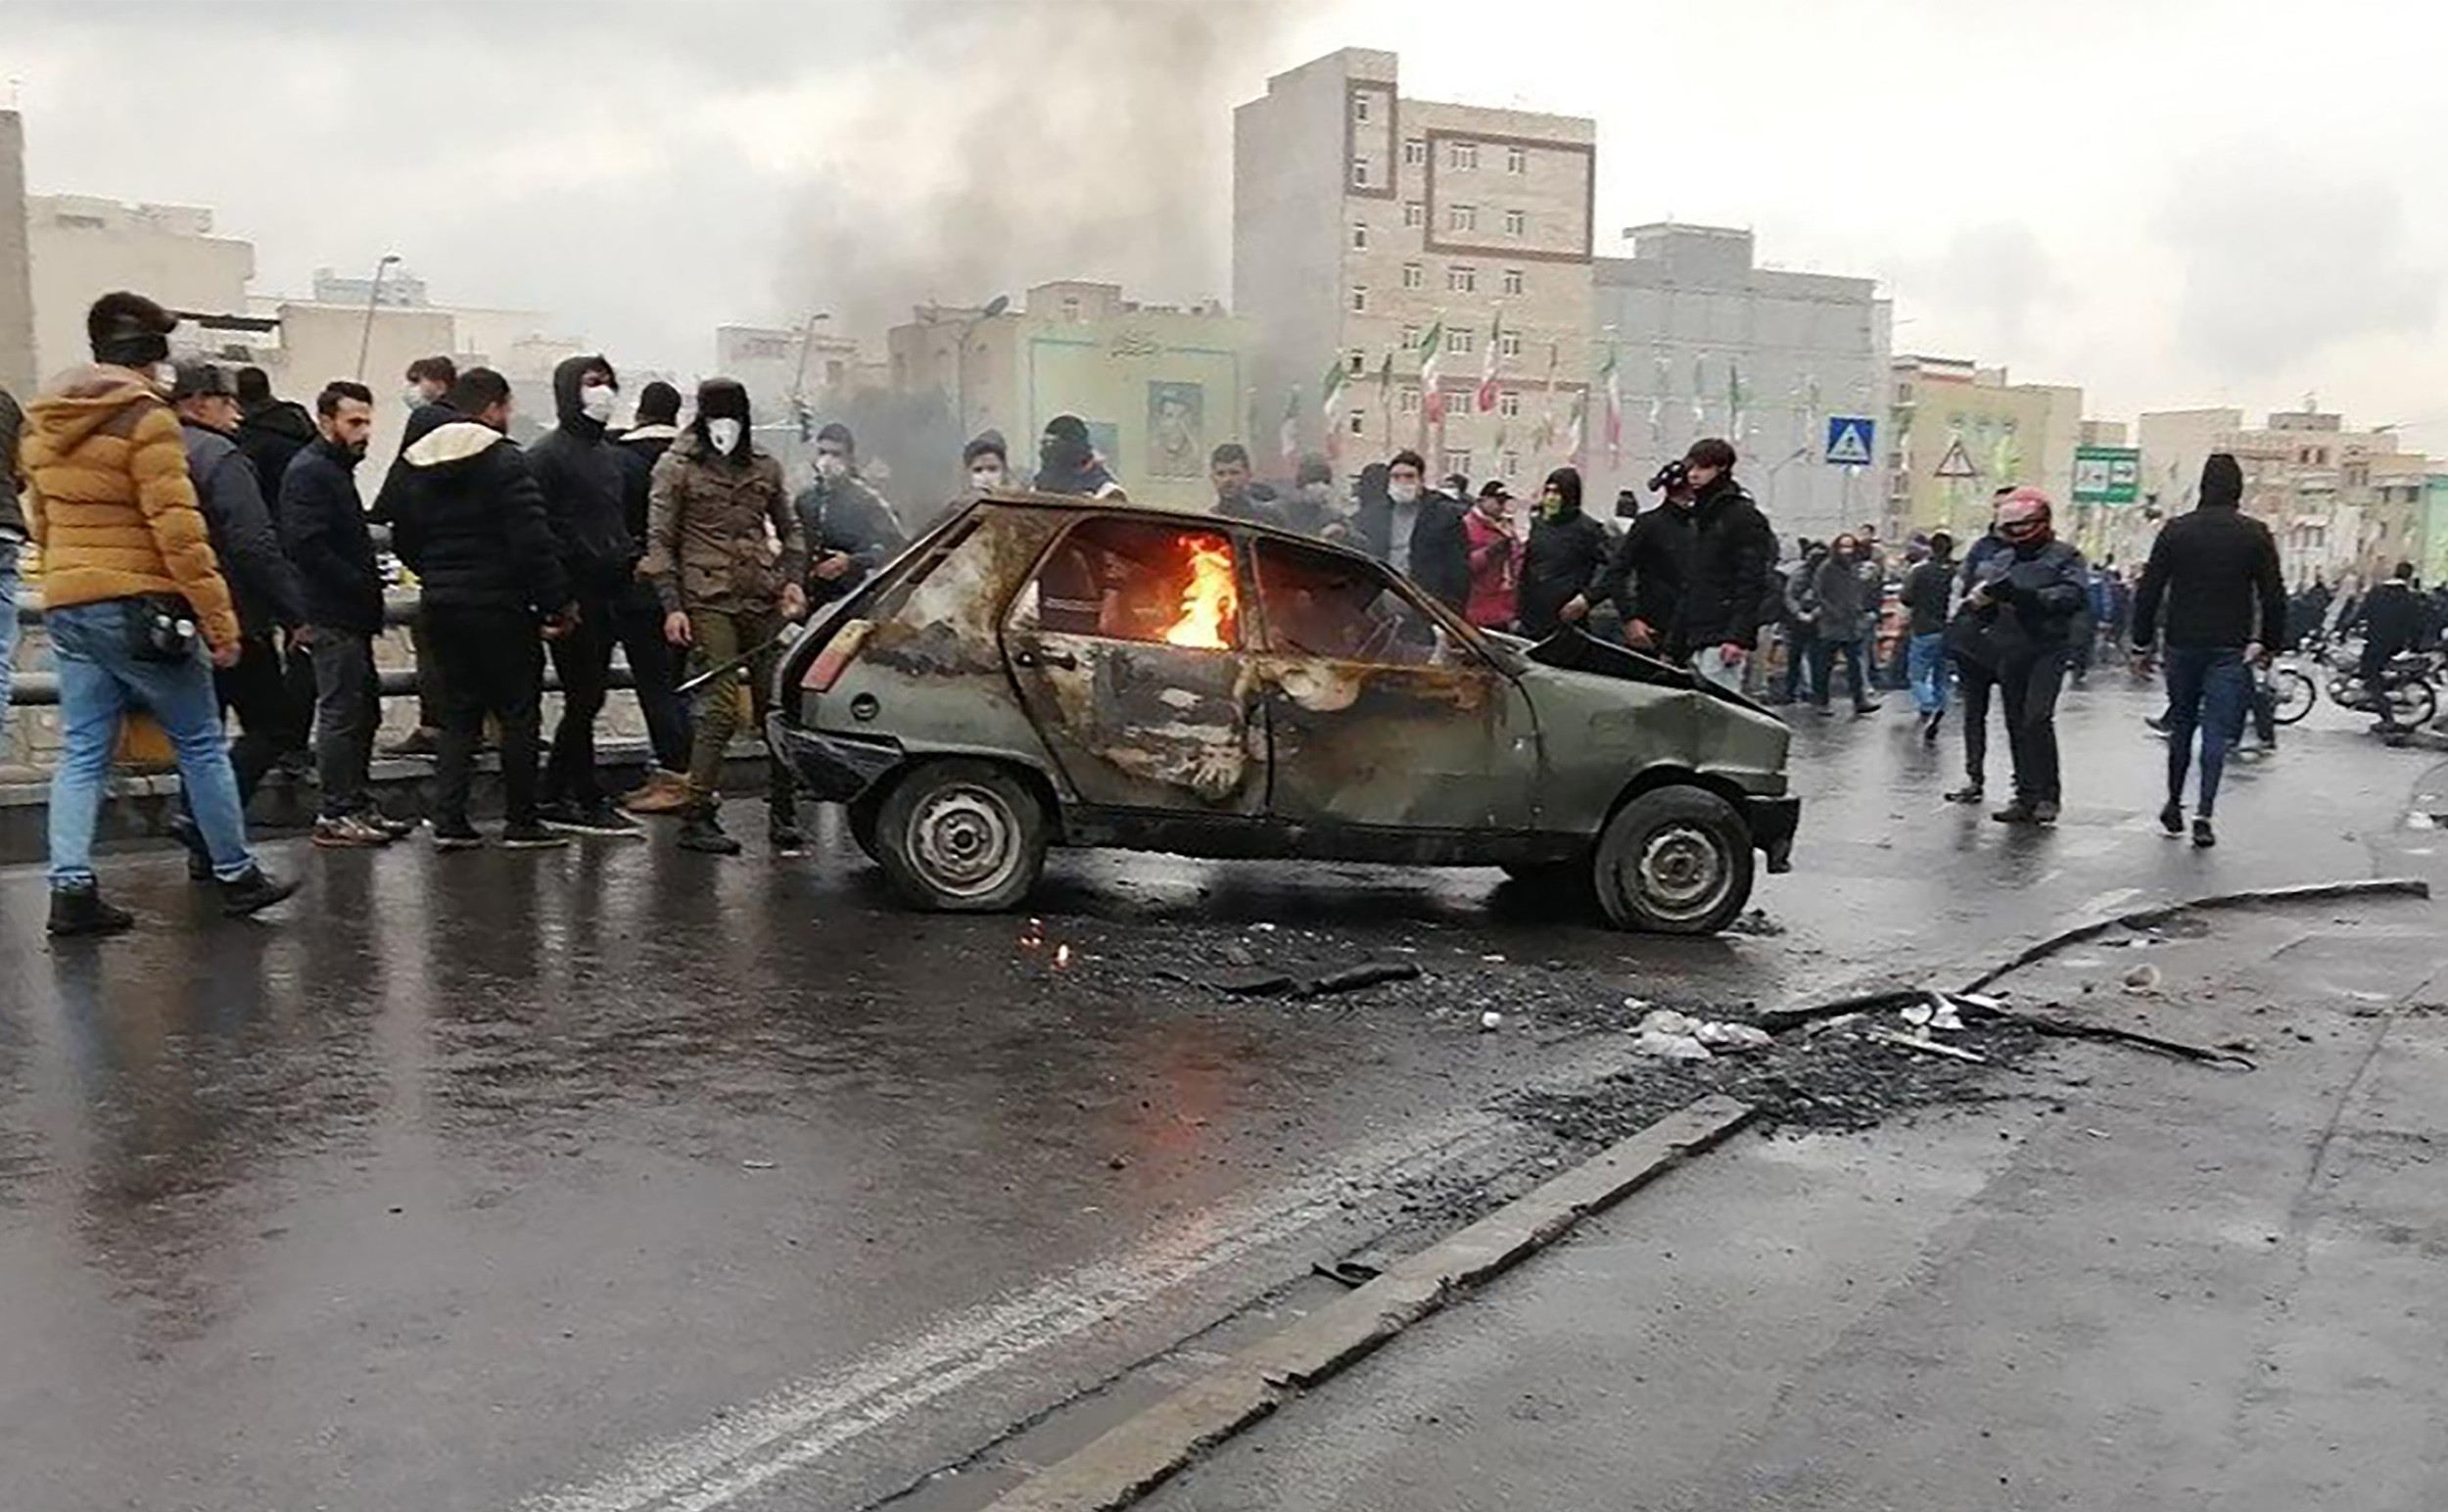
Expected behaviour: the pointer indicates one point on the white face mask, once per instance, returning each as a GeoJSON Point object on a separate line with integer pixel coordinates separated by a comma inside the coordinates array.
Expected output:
{"type": "Point", "coordinates": [725, 434]}
{"type": "Point", "coordinates": [1403, 492]}
{"type": "Point", "coordinates": [986, 479]}
{"type": "Point", "coordinates": [413, 396]}
{"type": "Point", "coordinates": [165, 376]}
{"type": "Point", "coordinates": [830, 467]}
{"type": "Point", "coordinates": [596, 402]}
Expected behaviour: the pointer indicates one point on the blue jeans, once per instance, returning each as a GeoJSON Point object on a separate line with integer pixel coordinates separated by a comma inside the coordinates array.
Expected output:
{"type": "Point", "coordinates": [8, 632]}
{"type": "Point", "coordinates": [2209, 689]}
{"type": "Point", "coordinates": [1926, 665]}
{"type": "Point", "coordinates": [101, 680]}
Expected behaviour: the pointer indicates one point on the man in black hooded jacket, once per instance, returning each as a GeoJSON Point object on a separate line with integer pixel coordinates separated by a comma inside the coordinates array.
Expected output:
{"type": "Point", "coordinates": [270, 431]}
{"type": "Point", "coordinates": [585, 489]}
{"type": "Point", "coordinates": [2216, 569]}
{"type": "Point", "coordinates": [1726, 569]}
{"type": "Point", "coordinates": [1565, 560]}
{"type": "Point", "coordinates": [468, 519]}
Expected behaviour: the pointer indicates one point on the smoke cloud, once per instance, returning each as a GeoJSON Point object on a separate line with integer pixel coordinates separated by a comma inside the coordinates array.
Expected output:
{"type": "Point", "coordinates": [1002, 145]}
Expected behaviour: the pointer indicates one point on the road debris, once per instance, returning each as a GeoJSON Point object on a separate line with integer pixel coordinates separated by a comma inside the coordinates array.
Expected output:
{"type": "Point", "coordinates": [2143, 980]}
{"type": "Point", "coordinates": [1490, 1022]}
{"type": "Point", "coordinates": [1927, 1047]}
{"type": "Point", "coordinates": [1672, 1036]}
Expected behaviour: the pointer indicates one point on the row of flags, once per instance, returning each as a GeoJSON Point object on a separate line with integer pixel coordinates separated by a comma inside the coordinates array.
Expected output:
{"type": "Point", "coordinates": [1486, 396]}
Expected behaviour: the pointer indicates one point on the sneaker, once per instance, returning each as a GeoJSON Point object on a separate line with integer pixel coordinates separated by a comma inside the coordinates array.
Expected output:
{"type": "Point", "coordinates": [1930, 724]}
{"type": "Point", "coordinates": [530, 836]}
{"type": "Point", "coordinates": [1862, 706]}
{"type": "Point", "coordinates": [2203, 835]}
{"type": "Point", "coordinates": [80, 911]}
{"type": "Point", "coordinates": [787, 839]}
{"type": "Point", "coordinates": [2016, 813]}
{"type": "Point", "coordinates": [351, 831]}
{"type": "Point", "coordinates": [600, 820]}
{"type": "Point", "coordinates": [1970, 793]}
{"type": "Point", "coordinates": [2172, 817]}
{"type": "Point", "coordinates": [704, 833]}
{"type": "Point", "coordinates": [2044, 812]}
{"type": "Point", "coordinates": [251, 895]}
{"type": "Point", "coordinates": [396, 829]}
{"type": "Point", "coordinates": [456, 835]}
{"type": "Point", "coordinates": [416, 744]}
{"type": "Point", "coordinates": [662, 792]}
{"type": "Point", "coordinates": [2156, 724]}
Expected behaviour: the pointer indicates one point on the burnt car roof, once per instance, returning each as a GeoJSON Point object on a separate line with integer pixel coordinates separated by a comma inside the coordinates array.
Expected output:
{"type": "Point", "coordinates": [1082, 503]}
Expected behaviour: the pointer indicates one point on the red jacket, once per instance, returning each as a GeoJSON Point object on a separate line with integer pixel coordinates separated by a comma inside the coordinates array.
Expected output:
{"type": "Point", "coordinates": [1495, 557]}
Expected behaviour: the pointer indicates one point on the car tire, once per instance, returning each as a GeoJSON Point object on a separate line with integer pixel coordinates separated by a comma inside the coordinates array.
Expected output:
{"type": "Point", "coordinates": [863, 815]}
{"type": "Point", "coordinates": [1675, 861]}
{"type": "Point", "coordinates": [962, 836]}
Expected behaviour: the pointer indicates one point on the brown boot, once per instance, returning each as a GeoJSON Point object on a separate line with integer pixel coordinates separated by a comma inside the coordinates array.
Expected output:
{"type": "Point", "coordinates": [662, 792]}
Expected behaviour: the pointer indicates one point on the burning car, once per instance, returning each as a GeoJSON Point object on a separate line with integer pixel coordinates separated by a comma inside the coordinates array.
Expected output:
{"type": "Point", "coordinates": [1041, 671]}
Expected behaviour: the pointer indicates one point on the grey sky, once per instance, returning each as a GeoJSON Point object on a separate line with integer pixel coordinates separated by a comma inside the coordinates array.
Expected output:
{"type": "Point", "coordinates": [2170, 202]}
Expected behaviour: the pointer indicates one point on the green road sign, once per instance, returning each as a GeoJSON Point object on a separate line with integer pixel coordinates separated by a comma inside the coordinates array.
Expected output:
{"type": "Point", "coordinates": [2106, 475]}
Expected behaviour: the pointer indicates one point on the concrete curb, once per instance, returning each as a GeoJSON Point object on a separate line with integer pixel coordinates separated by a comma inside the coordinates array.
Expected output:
{"type": "Point", "coordinates": [1872, 999]}
{"type": "Point", "coordinates": [1135, 1456]}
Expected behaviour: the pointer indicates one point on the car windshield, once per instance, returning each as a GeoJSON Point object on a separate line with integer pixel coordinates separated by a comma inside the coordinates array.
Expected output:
{"type": "Point", "coordinates": [1319, 603]}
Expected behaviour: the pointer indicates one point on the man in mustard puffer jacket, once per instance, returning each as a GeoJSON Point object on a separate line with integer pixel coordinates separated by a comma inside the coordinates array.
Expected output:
{"type": "Point", "coordinates": [132, 600]}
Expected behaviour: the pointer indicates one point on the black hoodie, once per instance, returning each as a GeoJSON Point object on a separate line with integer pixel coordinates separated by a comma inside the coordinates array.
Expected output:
{"type": "Point", "coordinates": [273, 434]}
{"type": "Point", "coordinates": [469, 521]}
{"type": "Point", "coordinates": [586, 491]}
{"type": "Point", "coordinates": [2217, 570]}
{"type": "Point", "coordinates": [1567, 555]}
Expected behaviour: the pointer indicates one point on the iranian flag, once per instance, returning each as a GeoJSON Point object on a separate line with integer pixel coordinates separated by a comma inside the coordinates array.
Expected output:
{"type": "Point", "coordinates": [1615, 410]}
{"type": "Point", "coordinates": [1487, 364]}
{"type": "Point", "coordinates": [1432, 368]}
{"type": "Point", "coordinates": [1288, 439]}
{"type": "Point", "coordinates": [1545, 435]}
{"type": "Point", "coordinates": [1329, 399]}
{"type": "Point", "coordinates": [1577, 428]}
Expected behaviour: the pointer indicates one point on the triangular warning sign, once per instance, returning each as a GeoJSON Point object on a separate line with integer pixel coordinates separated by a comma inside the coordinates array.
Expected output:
{"type": "Point", "coordinates": [1957, 464]}
{"type": "Point", "coordinates": [1850, 448]}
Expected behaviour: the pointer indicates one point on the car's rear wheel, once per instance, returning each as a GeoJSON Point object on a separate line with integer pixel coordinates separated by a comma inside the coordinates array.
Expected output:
{"type": "Point", "coordinates": [962, 836]}
{"type": "Point", "coordinates": [1675, 861]}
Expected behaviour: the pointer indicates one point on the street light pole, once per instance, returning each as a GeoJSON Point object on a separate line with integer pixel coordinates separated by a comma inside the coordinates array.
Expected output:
{"type": "Point", "coordinates": [961, 362]}
{"type": "Point", "coordinates": [366, 336]}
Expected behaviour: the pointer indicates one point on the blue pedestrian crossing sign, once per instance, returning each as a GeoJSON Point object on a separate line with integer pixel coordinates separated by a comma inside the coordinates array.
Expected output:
{"type": "Point", "coordinates": [1848, 439]}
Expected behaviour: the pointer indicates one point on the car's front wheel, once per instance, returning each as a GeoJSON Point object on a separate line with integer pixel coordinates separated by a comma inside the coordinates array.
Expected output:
{"type": "Point", "coordinates": [962, 836]}
{"type": "Point", "coordinates": [1675, 861]}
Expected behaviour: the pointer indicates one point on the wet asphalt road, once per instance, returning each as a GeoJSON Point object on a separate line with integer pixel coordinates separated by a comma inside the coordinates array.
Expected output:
{"type": "Point", "coordinates": [621, 1178]}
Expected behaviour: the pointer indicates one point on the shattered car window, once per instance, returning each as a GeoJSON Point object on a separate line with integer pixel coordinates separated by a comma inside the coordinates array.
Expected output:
{"type": "Point", "coordinates": [1133, 579]}
{"type": "Point", "coordinates": [1321, 604]}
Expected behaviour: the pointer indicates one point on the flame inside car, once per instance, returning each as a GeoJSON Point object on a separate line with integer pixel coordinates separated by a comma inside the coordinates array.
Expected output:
{"type": "Point", "coordinates": [1210, 599]}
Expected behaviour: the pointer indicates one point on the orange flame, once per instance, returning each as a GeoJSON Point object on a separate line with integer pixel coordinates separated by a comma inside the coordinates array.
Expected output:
{"type": "Point", "coordinates": [1210, 600]}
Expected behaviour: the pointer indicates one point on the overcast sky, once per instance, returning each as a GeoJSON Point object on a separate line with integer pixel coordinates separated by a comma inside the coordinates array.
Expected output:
{"type": "Point", "coordinates": [2168, 202]}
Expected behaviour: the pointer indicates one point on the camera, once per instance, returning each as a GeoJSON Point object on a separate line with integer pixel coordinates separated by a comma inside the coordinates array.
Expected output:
{"type": "Point", "coordinates": [1675, 475]}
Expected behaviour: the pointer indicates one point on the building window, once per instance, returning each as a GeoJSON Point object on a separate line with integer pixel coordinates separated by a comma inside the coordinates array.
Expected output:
{"type": "Point", "coordinates": [1513, 280]}
{"type": "Point", "coordinates": [1517, 160]}
{"type": "Point", "coordinates": [1509, 344]}
{"type": "Point", "coordinates": [1414, 276]}
{"type": "Point", "coordinates": [1513, 464]}
{"type": "Point", "coordinates": [1410, 336]}
{"type": "Point", "coordinates": [1415, 153]}
{"type": "Point", "coordinates": [1461, 217]}
{"type": "Point", "coordinates": [1462, 340]}
{"type": "Point", "coordinates": [1359, 236]}
{"type": "Point", "coordinates": [1458, 461]}
{"type": "Point", "coordinates": [1414, 215]}
{"type": "Point", "coordinates": [1516, 223]}
{"type": "Point", "coordinates": [1410, 401]}
{"type": "Point", "coordinates": [1462, 155]}
{"type": "Point", "coordinates": [1357, 364]}
{"type": "Point", "coordinates": [1359, 172]}
{"type": "Point", "coordinates": [1359, 298]}
{"type": "Point", "coordinates": [1360, 108]}
{"type": "Point", "coordinates": [1357, 422]}
{"type": "Point", "coordinates": [1509, 404]}
{"type": "Point", "coordinates": [1462, 278]}
{"type": "Point", "coordinates": [1070, 308]}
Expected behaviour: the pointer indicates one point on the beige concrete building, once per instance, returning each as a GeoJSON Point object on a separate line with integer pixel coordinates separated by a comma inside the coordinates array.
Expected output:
{"type": "Point", "coordinates": [1959, 432]}
{"type": "Point", "coordinates": [2318, 485]}
{"type": "Point", "coordinates": [773, 363]}
{"type": "Point", "coordinates": [1364, 221]}
{"type": "Point", "coordinates": [80, 248]}
{"type": "Point", "coordinates": [1159, 385]}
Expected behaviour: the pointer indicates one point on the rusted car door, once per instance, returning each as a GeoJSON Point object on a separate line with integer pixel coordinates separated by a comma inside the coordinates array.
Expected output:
{"type": "Point", "coordinates": [1126, 646]}
{"type": "Point", "coordinates": [1379, 714]}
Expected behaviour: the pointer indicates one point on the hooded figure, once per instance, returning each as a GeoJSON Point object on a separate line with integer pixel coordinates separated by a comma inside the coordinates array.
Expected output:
{"type": "Point", "coordinates": [2216, 571]}
{"type": "Point", "coordinates": [1066, 462]}
{"type": "Point", "coordinates": [584, 486]}
{"type": "Point", "coordinates": [1564, 559]}
{"type": "Point", "coordinates": [270, 431]}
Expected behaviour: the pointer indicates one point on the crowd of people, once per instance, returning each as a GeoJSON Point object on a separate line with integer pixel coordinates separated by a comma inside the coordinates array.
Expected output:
{"type": "Point", "coordinates": [207, 555]}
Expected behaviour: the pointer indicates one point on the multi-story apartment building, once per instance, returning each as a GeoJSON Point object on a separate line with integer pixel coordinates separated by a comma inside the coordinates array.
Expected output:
{"type": "Point", "coordinates": [1398, 255]}
{"type": "Point", "coordinates": [1959, 432]}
